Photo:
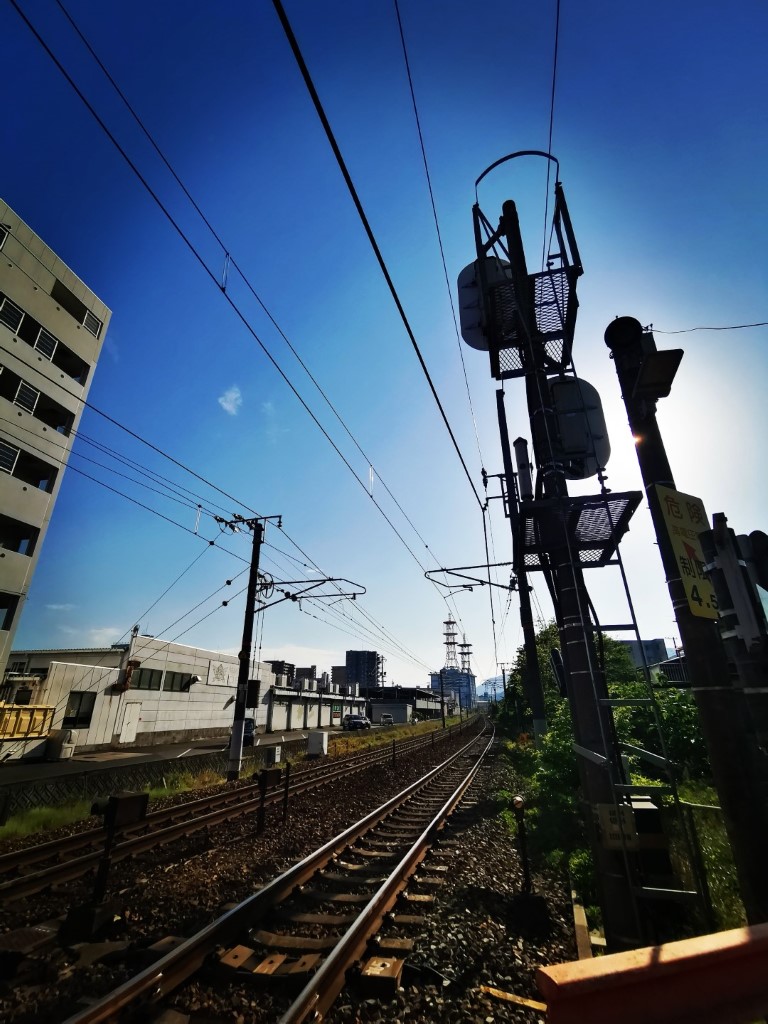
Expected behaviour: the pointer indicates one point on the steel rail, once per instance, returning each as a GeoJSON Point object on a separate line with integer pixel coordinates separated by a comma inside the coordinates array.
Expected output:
{"type": "Point", "coordinates": [176, 967]}
{"type": "Point", "coordinates": [58, 847]}
{"type": "Point", "coordinates": [321, 991]}
{"type": "Point", "coordinates": [235, 803]}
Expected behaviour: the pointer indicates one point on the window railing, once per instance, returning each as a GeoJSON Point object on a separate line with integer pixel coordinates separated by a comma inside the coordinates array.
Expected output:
{"type": "Point", "coordinates": [10, 314]}
{"type": "Point", "coordinates": [46, 343]}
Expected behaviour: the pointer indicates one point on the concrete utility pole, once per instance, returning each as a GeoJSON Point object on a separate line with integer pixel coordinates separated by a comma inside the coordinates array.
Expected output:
{"type": "Point", "coordinates": [238, 725]}
{"type": "Point", "coordinates": [645, 375]}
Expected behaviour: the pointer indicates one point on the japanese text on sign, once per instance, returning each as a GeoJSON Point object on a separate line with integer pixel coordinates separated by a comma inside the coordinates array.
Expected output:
{"type": "Point", "coordinates": [685, 519]}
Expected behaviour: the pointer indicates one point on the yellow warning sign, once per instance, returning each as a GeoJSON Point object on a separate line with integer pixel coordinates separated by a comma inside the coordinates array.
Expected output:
{"type": "Point", "coordinates": [685, 519]}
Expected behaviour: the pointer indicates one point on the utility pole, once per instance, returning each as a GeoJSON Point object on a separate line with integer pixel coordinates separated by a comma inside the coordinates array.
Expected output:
{"type": "Point", "coordinates": [645, 375]}
{"type": "Point", "coordinates": [238, 725]}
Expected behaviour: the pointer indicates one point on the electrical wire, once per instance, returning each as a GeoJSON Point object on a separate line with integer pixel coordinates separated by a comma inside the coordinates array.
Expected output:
{"type": "Point", "coordinates": [551, 126]}
{"type": "Point", "coordinates": [367, 228]}
{"type": "Point", "coordinates": [231, 260]}
{"type": "Point", "coordinates": [232, 304]}
{"type": "Point", "coordinates": [437, 223]}
{"type": "Point", "coordinates": [689, 330]}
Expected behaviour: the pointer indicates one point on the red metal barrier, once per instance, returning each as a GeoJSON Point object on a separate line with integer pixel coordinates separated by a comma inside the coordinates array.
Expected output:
{"type": "Point", "coordinates": [711, 979]}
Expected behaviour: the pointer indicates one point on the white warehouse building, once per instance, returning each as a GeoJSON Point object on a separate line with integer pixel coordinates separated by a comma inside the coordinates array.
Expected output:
{"type": "Point", "coordinates": [151, 691]}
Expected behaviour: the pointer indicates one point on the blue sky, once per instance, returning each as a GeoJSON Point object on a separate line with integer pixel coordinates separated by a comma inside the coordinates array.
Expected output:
{"type": "Point", "coordinates": [660, 129]}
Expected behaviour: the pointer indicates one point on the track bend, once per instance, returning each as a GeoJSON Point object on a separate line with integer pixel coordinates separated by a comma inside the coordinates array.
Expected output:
{"type": "Point", "coordinates": [315, 921]}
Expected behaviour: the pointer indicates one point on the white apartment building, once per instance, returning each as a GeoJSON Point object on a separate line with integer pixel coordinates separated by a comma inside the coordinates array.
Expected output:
{"type": "Point", "coordinates": [51, 332]}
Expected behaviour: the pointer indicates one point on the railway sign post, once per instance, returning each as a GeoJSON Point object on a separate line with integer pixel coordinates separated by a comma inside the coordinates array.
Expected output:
{"type": "Point", "coordinates": [738, 770]}
{"type": "Point", "coordinates": [685, 518]}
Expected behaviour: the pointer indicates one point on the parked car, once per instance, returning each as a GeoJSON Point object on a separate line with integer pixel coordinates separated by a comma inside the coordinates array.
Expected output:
{"type": "Point", "coordinates": [355, 722]}
{"type": "Point", "coordinates": [387, 719]}
{"type": "Point", "coordinates": [249, 732]}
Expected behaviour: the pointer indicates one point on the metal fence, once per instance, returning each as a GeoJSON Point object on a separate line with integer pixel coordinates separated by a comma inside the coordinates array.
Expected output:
{"type": "Point", "coordinates": [90, 784]}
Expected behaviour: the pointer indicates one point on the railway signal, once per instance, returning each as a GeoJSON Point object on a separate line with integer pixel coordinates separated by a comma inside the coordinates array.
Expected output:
{"type": "Point", "coordinates": [526, 324]}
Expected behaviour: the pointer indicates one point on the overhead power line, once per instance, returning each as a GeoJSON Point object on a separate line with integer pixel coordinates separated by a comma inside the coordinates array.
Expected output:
{"type": "Point", "coordinates": [551, 129]}
{"type": "Point", "coordinates": [368, 230]}
{"type": "Point", "coordinates": [435, 217]}
{"type": "Point", "coordinates": [230, 260]}
{"type": "Point", "coordinates": [227, 298]}
{"type": "Point", "coordinates": [689, 330]}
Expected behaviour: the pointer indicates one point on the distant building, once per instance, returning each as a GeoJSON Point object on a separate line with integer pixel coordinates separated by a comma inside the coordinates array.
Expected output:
{"type": "Point", "coordinates": [51, 332]}
{"type": "Point", "coordinates": [674, 670]}
{"type": "Point", "coordinates": [362, 668]}
{"type": "Point", "coordinates": [452, 678]}
{"type": "Point", "coordinates": [405, 704]}
{"type": "Point", "coordinates": [655, 651]}
{"type": "Point", "coordinates": [461, 684]}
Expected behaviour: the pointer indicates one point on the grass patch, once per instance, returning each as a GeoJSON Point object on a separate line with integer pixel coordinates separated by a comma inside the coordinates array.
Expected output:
{"type": "Point", "coordinates": [355, 742]}
{"type": "Point", "coordinates": [44, 819]}
{"type": "Point", "coordinates": [185, 782]}
{"type": "Point", "coordinates": [716, 854]}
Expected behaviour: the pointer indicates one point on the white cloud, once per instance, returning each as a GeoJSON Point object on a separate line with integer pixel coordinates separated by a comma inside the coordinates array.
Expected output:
{"type": "Point", "coordinates": [102, 636]}
{"type": "Point", "coordinates": [61, 607]}
{"type": "Point", "coordinates": [231, 400]}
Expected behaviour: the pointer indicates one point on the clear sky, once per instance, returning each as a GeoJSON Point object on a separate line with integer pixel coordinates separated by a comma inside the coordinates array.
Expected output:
{"type": "Point", "coordinates": [660, 129]}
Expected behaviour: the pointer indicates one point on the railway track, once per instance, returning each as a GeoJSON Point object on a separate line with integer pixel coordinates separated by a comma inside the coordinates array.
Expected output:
{"type": "Point", "coordinates": [34, 869]}
{"type": "Point", "coordinates": [309, 926]}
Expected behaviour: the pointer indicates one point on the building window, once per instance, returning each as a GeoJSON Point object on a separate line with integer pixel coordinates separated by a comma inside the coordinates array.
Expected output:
{"type": "Point", "coordinates": [11, 315]}
{"type": "Point", "coordinates": [18, 667]}
{"type": "Point", "coordinates": [76, 308]}
{"type": "Point", "coordinates": [34, 334]}
{"type": "Point", "coordinates": [8, 456]}
{"type": "Point", "coordinates": [8, 605]}
{"type": "Point", "coordinates": [176, 682]}
{"type": "Point", "coordinates": [79, 710]}
{"type": "Point", "coordinates": [17, 536]}
{"type": "Point", "coordinates": [3, 235]}
{"type": "Point", "coordinates": [146, 679]}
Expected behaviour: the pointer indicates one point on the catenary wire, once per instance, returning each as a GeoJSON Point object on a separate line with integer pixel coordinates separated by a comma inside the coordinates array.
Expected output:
{"type": "Point", "coordinates": [231, 260]}
{"type": "Point", "coordinates": [689, 330]}
{"type": "Point", "coordinates": [551, 127]}
{"type": "Point", "coordinates": [199, 258]}
{"type": "Point", "coordinates": [232, 304]}
{"type": "Point", "coordinates": [435, 217]}
{"type": "Point", "coordinates": [433, 204]}
{"type": "Point", "coordinates": [367, 227]}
